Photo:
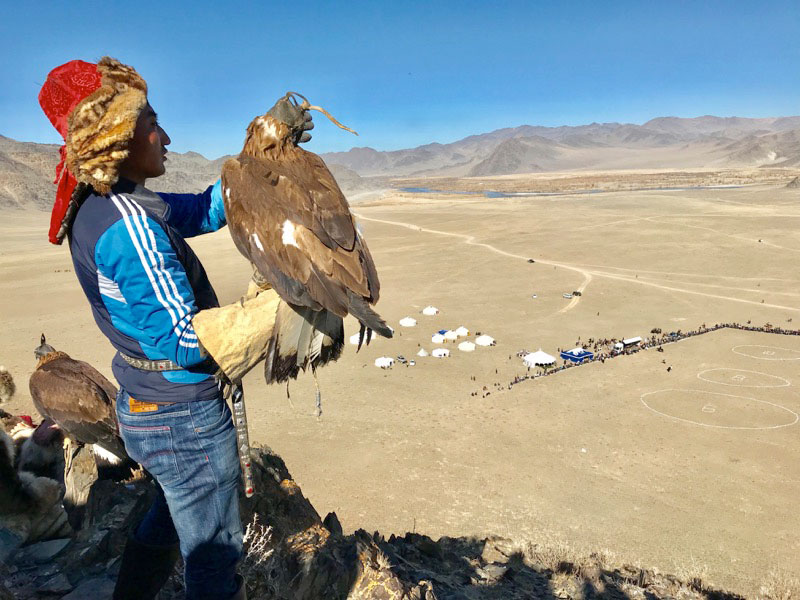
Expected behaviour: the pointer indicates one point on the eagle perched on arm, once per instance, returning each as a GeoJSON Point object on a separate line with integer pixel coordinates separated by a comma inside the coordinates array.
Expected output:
{"type": "Point", "coordinates": [289, 218]}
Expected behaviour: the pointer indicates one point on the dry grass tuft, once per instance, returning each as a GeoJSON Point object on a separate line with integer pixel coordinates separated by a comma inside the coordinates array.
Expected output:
{"type": "Point", "coordinates": [559, 556]}
{"type": "Point", "coordinates": [256, 566]}
{"type": "Point", "coordinates": [780, 585]}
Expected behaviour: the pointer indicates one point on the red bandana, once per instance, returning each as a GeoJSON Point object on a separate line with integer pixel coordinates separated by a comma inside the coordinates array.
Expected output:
{"type": "Point", "coordinates": [65, 87]}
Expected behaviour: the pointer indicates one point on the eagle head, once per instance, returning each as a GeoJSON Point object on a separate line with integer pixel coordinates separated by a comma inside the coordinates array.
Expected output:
{"type": "Point", "coordinates": [266, 137]}
{"type": "Point", "coordinates": [43, 349]}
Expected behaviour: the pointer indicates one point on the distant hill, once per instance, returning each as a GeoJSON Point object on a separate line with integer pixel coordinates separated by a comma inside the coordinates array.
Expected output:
{"type": "Point", "coordinates": [27, 169]}
{"type": "Point", "coordinates": [668, 142]}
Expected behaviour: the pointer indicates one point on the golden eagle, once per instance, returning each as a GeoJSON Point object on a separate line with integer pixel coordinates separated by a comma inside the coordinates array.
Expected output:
{"type": "Point", "coordinates": [289, 218]}
{"type": "Point", "coordinates": [79, 400]}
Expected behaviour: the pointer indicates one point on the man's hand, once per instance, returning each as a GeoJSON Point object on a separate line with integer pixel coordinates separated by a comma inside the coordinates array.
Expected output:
{"type": "Point", "coordinates": [237, 335]}
{"type": "Point", "coordinates": [298, 119]}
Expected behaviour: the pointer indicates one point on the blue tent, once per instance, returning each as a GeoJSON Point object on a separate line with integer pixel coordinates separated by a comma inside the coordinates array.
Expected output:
{"type": "Point", "coordinates": [577, 355]}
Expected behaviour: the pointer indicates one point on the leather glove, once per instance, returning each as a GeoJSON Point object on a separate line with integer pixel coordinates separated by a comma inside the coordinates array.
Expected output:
{"type": "Point", "coordinates": [237, 335]}
{"type": "Point", "coordinates": [297, 118]}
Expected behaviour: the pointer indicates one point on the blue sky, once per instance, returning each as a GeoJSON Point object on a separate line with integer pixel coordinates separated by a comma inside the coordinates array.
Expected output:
{"type": "Point", "coordinates": [408, 73]}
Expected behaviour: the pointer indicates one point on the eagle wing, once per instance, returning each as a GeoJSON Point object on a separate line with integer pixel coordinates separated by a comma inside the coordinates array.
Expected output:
{"type": "Point", "coordinates": [291, 220]}
{"type": "Point", "coordinates": [79, 399]}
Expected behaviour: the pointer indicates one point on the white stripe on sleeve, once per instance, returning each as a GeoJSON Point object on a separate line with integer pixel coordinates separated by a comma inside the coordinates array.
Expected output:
{"type": "Point", "coordinates": [154, 274]}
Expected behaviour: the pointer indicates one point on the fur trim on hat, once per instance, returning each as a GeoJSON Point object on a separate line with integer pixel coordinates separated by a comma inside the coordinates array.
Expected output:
{"type": "Point", "coordinates": [102, 125]}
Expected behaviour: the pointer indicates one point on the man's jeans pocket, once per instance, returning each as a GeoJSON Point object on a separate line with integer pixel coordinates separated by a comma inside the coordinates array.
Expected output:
{"type": "Point", "coordinates": [217, 417]}
{"type": "Point", "coordinates": [152, 447]}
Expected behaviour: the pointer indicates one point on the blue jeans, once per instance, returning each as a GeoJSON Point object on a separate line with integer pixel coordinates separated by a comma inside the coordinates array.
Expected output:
{"type": "Point", "coordinates": [190, 450]}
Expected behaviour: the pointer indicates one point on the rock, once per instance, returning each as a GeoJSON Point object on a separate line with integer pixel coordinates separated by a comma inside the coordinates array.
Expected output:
{"type": "Point", "coordinates": [492, 573]}
{"type": "Point", "coordinates": [295, 554]}
{"type": "Point", "coordinates": [42, 552]}
{"type": "Point", "coordinates": [58, 584]}
{"type": "Point", "coordinates": [332, 524]}
{"type": "Point", "coordinates": [97, 588]}
{"type": "Point", "coordinates": [497, 550]}
{"type": "Point", "coordinates": [80, 475]}
{"type": "Point", "coordinates": [794, 183]}
{"type": "Point", "coordinates": [424, 544]}
{"type": "Point", "coordinates": [47, 571]}
{"type": "Point", "coordinates": [10, 541]}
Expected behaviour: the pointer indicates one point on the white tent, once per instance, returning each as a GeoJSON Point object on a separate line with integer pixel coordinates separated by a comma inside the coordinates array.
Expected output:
{"type": "Point", "coordinates": [450, 335]}
{"type": "Point", "coordinates": [533, 359]}
{"type": "Point", "coordinates": [407, 322]}
{"type": "Point", "coordinates": [576, 351]}
{"type": "Point", "coordinates": [430, 311]}
{"type": "Point", "coordinates": [440, 353]}
{"type": "Point", "coordinates": [466, 347]}
{"type": "Point", "coordinates": [437, 338]}
{"type": "Point", "coordinates": [384, 362]}
{"type": "Point", "coordinates": [462, 331]}
{"type": "Point", "coordinates": [485, 340]}
{"type": "Point", "coordinates": [422, 352]}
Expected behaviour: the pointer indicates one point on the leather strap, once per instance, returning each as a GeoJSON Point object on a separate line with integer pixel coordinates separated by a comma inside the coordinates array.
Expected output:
{"type": "Point", "coordinates": [150, 365]}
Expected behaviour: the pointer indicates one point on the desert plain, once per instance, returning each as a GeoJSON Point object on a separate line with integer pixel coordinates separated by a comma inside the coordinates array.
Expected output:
{"type": "Point", "coordinates": [693, 470]}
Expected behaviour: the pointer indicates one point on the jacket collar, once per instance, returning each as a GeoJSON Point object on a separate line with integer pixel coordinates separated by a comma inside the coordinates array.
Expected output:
{"type": "Point", "coordinates": [149, 200]}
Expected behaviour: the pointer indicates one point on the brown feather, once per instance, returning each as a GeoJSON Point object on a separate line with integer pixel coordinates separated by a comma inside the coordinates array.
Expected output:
{"type": "Point", "coordinates": [330, 257]}
{"type": "Point", "coordinates": [288, 217]}
{"type": "Point", "coordinates": [295, 344]}
{"type": "Point", "coordinates": [79, 399]}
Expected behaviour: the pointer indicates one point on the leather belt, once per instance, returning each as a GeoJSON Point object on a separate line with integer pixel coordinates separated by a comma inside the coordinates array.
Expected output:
{"type": "Point", "coordinates": [150, 365]}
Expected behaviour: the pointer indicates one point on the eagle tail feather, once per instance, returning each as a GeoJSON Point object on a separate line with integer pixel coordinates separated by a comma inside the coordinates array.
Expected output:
{"type": "Point", "coordinates": [302, 336]}
{"type": "Point", "coordinates": [368, 318]}
{"type": "Point", "coordinates": [361, 336]}
{"type": "Point", "coordinates": [307, 319]}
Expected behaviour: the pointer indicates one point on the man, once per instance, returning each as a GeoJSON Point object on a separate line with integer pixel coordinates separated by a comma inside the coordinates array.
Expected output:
{"type": "Point", "coordinates": [145, 285]}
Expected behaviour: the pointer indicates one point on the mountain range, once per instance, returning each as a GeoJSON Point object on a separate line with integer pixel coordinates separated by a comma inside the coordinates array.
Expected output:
{"type": "Point", "coordinates": [665, 142]}
{"type": "Point", "coordinates": [27, 168]}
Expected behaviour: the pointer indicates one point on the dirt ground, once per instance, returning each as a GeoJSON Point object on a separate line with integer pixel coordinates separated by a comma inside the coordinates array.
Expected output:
{"type": "Point", "coordinates": [694, 471]}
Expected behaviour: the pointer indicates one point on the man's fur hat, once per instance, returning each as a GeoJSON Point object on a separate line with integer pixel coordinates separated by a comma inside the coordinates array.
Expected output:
{"type": "Point", "coordinates": [102, 124]}
{"type": "Point", "coordinates": [95, 108]}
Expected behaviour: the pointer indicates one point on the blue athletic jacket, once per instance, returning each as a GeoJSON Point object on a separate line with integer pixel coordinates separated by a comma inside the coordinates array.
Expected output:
{"type": "Point", "coordinates": [144, 283]}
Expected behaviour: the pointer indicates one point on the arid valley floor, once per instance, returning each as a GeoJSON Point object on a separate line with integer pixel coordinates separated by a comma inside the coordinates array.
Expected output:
{"type": "Point", "coordinates": [694, 471]}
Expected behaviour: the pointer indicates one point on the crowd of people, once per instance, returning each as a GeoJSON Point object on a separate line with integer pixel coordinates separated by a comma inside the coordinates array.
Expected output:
{"type": "Point", "coordinates": [608, 348]}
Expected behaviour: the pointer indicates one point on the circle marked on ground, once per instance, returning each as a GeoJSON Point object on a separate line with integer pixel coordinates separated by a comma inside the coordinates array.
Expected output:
{"type": "Point", "coordinates": [766, 352]}
{"type": "Point", "coordinates": [717, 410]}
{"type": "Point", "coordinates": [742, 378]}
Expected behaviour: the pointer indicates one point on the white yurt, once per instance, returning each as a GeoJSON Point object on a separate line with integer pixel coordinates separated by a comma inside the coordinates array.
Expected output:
{"type": "Point", "coordinates": [437, 338]}
{"type": "Point", "coordinates": [384, 362]}
{"type": "Point", "coordinates": [462, 332]}
{"type": "Point", "coordinates": [440, 353]}
{"type": "Point", "coordinates": [466, 347]}
{"type": "Point", "coordinates": [485, 340]}
{"type": "Point", "coordinates": [450, 335]}
{"type": "Point", "coordinates": [408, 322]}
{"type": "Point", "coordinates": [429, 311]}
